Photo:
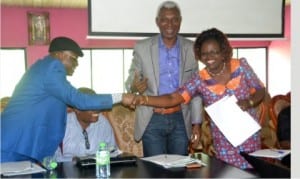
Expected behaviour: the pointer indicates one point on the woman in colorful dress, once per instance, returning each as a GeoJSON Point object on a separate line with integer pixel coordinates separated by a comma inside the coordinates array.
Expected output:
{"type": "Point", "coordinates": [222, 76]}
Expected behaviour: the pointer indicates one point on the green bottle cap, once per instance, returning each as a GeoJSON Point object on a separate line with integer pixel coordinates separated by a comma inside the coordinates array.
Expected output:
{"type": "Point", "coordinates": [53, 165]}
{"type": "Point", "coordinates": [102, 144]}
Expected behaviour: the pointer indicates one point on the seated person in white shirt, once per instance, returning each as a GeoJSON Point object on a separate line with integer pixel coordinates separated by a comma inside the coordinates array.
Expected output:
{"type": "Point", "coordinates": [84, 131]}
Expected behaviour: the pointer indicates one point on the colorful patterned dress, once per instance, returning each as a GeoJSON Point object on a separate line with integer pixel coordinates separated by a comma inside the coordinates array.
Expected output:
{"type": "Point", "coordinates": [243, 81]}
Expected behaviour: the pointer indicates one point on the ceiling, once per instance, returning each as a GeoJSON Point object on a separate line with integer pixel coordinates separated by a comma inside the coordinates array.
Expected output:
{"type": "Point", "coordinates": [55, 3]}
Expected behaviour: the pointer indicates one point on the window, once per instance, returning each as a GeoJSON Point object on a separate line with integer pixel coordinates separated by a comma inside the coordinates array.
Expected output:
{"type": "Point", "coordinates": [12, 68]}
{"type": "Point", "coordinates": [105, 70]}
{"type": "Point", "coordinates": [257, 59]}
{"type": "Point", "coordinates": [82, 74]}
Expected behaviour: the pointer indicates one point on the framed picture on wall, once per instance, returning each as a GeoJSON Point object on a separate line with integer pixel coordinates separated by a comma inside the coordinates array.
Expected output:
{"type": "Point", "coordinates": [38, 28]}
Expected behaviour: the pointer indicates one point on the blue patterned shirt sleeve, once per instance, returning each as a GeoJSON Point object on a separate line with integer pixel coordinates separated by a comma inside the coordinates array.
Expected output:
{"type": "Point", "coordinates": [190, 88]}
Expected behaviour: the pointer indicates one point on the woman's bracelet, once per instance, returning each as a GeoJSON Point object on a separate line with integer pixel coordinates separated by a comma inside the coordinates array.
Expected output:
{"type": "Point", "coordinates": [146, 99]}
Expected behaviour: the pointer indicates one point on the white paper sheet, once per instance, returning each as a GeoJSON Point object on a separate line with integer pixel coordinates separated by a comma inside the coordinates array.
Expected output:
{"type": "Point", "coordinates": [172, 160]}
{"type": "Point", "coordinates": [235, 124]}
{"type": "Point", "coordinates": [271, 153]}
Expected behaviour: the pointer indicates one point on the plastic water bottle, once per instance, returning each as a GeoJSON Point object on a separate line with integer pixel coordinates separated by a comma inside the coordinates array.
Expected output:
{"type": "Point", "coordinates": [103, 161]}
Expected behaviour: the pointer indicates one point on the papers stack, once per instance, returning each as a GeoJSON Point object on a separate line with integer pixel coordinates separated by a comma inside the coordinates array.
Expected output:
{"type": "Point", "coordinates": [172, 161]}
{"type": "Point", "coordinates": [270, 153]}
{"type": "Point", "coordinates": [20, 168]}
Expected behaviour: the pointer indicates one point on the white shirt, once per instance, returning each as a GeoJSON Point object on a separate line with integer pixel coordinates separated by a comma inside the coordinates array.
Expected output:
{"type": "Point", "coordinates": [74, 141]}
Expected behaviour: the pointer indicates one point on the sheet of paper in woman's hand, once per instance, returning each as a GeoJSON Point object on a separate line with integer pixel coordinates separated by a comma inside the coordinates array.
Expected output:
{"type": "Point", "coordinates": [235, 124]}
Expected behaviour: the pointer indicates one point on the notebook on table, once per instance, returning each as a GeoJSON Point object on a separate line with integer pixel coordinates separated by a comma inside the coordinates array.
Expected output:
{"type": "Point", "coordinates": [20, 168]}
{"type": "Point", "coordinates": [267, 169]}
{"type": "Point", "coordinates": [123, 158]}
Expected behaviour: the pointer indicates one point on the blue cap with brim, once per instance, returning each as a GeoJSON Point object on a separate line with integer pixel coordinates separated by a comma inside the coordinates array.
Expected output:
{"type": "Point", "coordinates": [65, 43]}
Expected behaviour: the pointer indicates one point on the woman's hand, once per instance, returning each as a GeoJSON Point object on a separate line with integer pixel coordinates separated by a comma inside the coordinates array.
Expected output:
{"type": "Point", "coordinates": [140, 100]}
{"type": "Point", "coordinates": [244, 104]}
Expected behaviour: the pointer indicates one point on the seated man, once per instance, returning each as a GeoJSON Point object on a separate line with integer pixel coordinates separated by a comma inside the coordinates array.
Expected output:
{"type": "Point", "coordinates": [84, 131]}
{"type": "Point", "coordinates": [284, 133]}
{"type": "Point", "coordinates": [284, 128]}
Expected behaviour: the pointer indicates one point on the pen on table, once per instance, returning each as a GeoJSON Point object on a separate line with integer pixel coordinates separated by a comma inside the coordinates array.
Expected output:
{"type": "Point", "coordinates": [278, 151]}
{"type": "Point", "coordinates": [112, 150]}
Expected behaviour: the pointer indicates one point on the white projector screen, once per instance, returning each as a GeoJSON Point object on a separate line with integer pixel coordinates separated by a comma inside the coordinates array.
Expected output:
{"type": "Point", "coordinates": [237, 18]}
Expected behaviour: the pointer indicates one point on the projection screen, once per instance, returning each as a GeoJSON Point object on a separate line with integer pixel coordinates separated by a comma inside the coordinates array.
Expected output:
{"type": "Point", "coordinates": [237, 18]}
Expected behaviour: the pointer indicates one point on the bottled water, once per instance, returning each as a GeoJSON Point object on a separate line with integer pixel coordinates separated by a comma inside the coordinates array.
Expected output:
{"type": "Point", "coordinates": [103, 161]}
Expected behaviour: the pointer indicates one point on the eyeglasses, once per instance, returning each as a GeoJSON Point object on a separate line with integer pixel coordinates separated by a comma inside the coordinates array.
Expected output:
{"type": "Point", "coordinates": [71, 57]}
{"type": "Point", "coordinates": [86, 138]}
{"type": "Point", "coordinates": [214, 53]}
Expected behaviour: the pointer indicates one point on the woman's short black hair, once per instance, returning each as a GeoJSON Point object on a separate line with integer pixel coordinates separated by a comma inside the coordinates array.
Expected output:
{"type": "Point", "coordinates": [219, 37]}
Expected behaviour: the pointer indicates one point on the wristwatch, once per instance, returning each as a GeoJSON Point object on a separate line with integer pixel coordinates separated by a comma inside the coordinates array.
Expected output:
{"type": "Point", "coordinates": [251, 102]}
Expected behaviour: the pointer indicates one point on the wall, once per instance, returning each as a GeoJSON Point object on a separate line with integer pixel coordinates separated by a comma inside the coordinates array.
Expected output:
{"type": "Point", "coordinates": [280, 60]}
{"type": "Point", "coordinates": [63, 22]}
{"type": "Point", "coordinates": [74, 23]}
{"type": "Point", "coordinates": [295, 122]}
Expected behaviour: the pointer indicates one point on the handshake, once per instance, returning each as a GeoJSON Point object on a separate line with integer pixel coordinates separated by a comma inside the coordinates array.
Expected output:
{"type": "Point", "coordinates": [133, 100]}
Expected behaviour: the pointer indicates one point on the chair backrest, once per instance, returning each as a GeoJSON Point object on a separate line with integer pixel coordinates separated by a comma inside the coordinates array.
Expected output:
{"type": "Point", "coordinates": [122, 121]}
{"type": "Point", "coordinates": [206, 136]}
{"type": "Point", "coordinates": [278, 103]}
{"type": "Point", "coordinates": [206, 140]}
{"type": "Point", "coordinates": [267, 133]}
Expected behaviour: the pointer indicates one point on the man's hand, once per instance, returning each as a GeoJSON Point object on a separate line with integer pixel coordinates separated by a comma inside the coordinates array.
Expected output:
{"type": "Point", "coordinates": [196, 135]}
{"type": "Point", "coordinates": [132, 100]}
{"type": "Point", "coordinates": [139, 83]}
{"type": "Point", "coordinates": [127, 100]}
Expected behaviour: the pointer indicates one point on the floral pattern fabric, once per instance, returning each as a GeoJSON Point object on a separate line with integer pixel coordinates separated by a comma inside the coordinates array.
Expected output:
{"type": "Point", "coordinates": [243, 81]}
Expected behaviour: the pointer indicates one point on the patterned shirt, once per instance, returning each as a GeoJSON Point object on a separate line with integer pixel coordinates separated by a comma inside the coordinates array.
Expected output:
{"type": "Point", "coordinates": [243, 82]}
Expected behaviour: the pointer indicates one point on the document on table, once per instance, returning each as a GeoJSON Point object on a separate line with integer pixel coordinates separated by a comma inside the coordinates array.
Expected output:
{"type": "Point", "coordinates": [271, 153]}
{"type": "Point", "coordinates": [235, 124]}
{"type": "Point", "coordinates": [20, 168]}
{"type": "Point", "coordinates": [172, 160]}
